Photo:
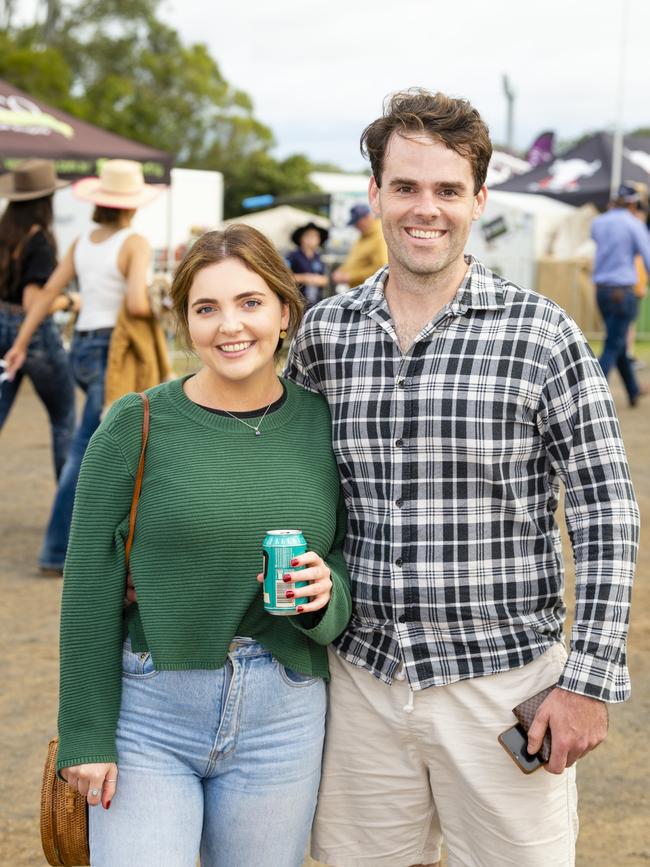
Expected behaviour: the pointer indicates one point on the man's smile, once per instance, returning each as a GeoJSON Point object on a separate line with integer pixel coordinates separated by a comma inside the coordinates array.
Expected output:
{"type": "Point", "coordinates": [425, 234]}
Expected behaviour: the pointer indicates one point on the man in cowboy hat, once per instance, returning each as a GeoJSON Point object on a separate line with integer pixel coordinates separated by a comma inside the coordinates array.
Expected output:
{"type": "Point", "coordinates": [367, 254]}
{"type": "Point", "coordinates": [305, 262]}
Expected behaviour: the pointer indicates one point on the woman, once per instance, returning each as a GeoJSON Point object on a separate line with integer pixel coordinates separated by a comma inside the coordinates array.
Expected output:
{"type": "Point", "coordinates": [305, 262]}
{"type": "Point", "coordinates": [203, 733]}
{"type": "Point", "coordinates": [111, 263]}
{"type": "Point", "coordinates": [27, 259]}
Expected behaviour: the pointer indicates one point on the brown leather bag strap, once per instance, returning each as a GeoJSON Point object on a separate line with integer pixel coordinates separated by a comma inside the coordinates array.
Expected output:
{"type": "Point", "coordinates": [138, 478]}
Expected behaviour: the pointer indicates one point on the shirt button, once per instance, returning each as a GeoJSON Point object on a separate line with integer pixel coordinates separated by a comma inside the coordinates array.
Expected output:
{"type": "Point", "coordinates": [399, 503]}
{"type": "Point", "coordinates": [399, 561]}
{"type": "Point", "coordinates": [402, 618]}
{"type": "Point", "coordinates": [399, 443]}
{"type": "Point", "coordinates": [401, 382]}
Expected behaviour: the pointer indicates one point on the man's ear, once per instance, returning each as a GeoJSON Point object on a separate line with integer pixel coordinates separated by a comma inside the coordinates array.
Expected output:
{"type": "Point", "coordinates": [373, 197]}
{"type": "Point", "coordinates": [480, 200]}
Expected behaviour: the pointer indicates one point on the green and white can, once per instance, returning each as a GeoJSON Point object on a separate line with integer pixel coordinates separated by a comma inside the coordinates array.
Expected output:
{"type": "Point", "coordinates": [278, 550]}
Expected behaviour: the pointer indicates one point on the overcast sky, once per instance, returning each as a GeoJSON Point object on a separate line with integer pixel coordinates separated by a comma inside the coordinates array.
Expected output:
{"type": "Point", "coordinates": [317, 72]}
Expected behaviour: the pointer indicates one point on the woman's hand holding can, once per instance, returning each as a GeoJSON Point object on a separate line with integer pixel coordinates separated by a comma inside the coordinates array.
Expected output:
{"type": "Point", "coordinates": [318, 589]}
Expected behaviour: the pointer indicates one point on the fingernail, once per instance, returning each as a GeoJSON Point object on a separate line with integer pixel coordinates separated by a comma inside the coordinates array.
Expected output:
{"type": "Point", "coordinates": [289, 594]}
{"type": "Point", "coordinates": [300, 609]}
{"type": "Point", "coordinates": [286, 577]}
{"type": "Point", "coordinates": [294, 562]}
{"type": "Point", "coordinates": [108, 804]}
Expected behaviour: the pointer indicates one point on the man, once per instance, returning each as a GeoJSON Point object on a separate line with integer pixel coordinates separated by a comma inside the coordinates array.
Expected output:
{"type": "Point", "coordinates": [620, 236]}
{"type": "Point", "coordinates": [368, 253]}
{"type": "Point", "coordinates": [459, 401]}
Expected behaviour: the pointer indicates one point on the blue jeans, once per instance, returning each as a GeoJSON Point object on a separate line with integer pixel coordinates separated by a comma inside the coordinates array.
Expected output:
{"type": "Point", "coordinates": [618, 306]}
{"type": "Point", "coordinates": [88, 356]}
{"type": "Point", "coordinates": [221, 764]}
{"type": "Point", "coordinates": [49, 370]}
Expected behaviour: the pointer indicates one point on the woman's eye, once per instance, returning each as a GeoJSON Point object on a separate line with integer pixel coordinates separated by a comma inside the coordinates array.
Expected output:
{"type": "Point", "coordinates": [251, 303]}
{"type": "Point", "coordinates": [205, 308]}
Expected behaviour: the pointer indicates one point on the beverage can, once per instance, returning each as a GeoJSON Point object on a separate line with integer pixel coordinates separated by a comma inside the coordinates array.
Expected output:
{"type": "Point", "coordinates": [278, 550]}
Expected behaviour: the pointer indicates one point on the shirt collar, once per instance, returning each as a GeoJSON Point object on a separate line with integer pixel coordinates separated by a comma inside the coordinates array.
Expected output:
{"type": "Point", "coordinates": [481, 289]}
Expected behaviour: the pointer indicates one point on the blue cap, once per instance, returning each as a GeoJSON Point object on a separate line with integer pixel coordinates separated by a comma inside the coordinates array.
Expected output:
{"type": "Point", "coordinates": [357, 212]}
{"type": "Point", "coordinates": [628, 194]}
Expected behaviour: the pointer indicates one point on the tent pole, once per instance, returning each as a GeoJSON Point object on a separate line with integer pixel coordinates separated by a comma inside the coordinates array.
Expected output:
{"type": "Point", "coordinates": [169, 255]}
{"type": "Point", "coordinates": [617, 145]}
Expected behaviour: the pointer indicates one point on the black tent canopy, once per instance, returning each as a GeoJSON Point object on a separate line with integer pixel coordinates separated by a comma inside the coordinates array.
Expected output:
{"type": "Point", "coordinates": [583, 173]}
{"type": "Point", "coordinates": [30, 128]}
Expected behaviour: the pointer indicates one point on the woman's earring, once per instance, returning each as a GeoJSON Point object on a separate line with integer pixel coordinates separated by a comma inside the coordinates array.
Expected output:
{"type": "Point", "coordinates": [283, 334]}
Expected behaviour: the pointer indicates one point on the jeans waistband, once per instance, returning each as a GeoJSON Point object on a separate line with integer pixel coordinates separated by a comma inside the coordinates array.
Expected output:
{"type": "Point", "coordinates": [10, 307]}
{"type": "Point", "coordinates": [246, 647]}
{"type": "Point", "coordinates": [95, 332]}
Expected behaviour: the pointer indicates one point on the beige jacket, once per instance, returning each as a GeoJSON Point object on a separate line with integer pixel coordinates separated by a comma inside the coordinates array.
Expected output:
{"type": "Point", "coordinates": [137, 357]}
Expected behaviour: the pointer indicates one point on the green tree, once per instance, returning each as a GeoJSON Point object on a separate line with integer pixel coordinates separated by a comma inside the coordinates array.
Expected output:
{"type": "Point", "coordinates": [132, 74]}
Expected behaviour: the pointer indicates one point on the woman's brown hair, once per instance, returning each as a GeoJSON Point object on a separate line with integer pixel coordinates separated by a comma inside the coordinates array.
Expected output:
{"type": "Point", "coordinates": [254, 251]}
{"type": "Point", "coordinates": [15, 225]}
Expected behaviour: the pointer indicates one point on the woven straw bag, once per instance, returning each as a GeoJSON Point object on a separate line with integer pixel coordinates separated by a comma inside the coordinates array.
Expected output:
{"type": "Point", "coordinates": [64, 818]}
{"type": "Point", "coordinates": [64, 812]}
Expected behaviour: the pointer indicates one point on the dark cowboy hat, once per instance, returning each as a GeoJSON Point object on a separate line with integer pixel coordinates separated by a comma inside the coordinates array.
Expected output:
{"type": "Point", "coordinates": [300, 231]}
{"type": "Point", "coordinates": [31, 179]}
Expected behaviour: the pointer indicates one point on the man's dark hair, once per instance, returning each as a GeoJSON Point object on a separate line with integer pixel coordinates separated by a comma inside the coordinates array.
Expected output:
{"type": "Point", "coordinates": [454, 122]}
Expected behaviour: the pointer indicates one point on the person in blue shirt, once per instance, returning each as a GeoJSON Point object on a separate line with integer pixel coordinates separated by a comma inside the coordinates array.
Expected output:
{"type": "Point", "coordinates": [619, 238]}
{"type": "Point", "coordinates": [305, 262]}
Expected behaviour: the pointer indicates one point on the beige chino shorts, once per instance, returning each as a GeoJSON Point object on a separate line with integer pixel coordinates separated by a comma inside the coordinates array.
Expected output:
{"type": "Point", "coordinates": [394, 781]}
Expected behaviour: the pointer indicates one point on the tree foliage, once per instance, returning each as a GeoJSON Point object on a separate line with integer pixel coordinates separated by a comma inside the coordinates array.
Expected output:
{"type": "Point", "coordinates": [115, 64]}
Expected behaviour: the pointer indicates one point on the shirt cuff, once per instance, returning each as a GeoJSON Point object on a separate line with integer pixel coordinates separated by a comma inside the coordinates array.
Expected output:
{"type": "Point", "coordinates": [596, 677]}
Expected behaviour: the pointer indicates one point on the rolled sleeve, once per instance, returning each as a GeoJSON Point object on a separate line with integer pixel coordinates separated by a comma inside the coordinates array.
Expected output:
{"type": "Point", "coordinates": [585, 448]}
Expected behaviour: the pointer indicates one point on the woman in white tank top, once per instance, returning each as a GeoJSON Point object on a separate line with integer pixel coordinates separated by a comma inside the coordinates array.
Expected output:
{"type": "Point", "coordinates": [111, 264]}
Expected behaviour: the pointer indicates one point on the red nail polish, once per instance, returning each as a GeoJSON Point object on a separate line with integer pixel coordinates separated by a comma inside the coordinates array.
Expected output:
{"type": "Point", "coordinates": [300, 609]}
{"type": "Point", "coordinates": [286, 577]}
{"type": "Point", "coordinates": [294, 562]}
{"type": "Point", "coordinates": [108, 804]}
{"type": "Point", "coordinates": [289, 594]}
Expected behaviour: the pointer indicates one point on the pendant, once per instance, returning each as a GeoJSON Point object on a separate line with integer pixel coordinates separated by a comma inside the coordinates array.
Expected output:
{"type": "Point", "coordinates": [257, 433]}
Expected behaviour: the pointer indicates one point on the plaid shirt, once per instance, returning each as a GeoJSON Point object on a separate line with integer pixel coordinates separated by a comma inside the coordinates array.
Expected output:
{"type": "Point", "coordinates": [450, 457]}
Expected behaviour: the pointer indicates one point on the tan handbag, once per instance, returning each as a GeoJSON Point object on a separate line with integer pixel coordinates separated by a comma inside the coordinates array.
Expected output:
{"type": "Point", "coordinates": [64, 812]}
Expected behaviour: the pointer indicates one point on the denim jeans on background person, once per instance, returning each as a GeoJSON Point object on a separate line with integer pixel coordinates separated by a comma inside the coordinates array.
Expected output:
{"type": "Point", "coordinates": [618, 306]}
{"type": "Point", "coordinates": [223, 764]}
{"type": "Point", "coordinates": [88, 357]}
{"type": "Point", "coordinates": [48, 367]}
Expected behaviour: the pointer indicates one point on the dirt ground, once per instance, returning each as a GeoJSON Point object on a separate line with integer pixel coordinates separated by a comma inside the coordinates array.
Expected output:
{"type": "Point", "coordinates": [613, 781]}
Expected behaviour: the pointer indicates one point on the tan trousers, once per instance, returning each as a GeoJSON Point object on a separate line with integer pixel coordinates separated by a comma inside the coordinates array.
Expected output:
{"type": "Point", "coordinates": [395, 781]}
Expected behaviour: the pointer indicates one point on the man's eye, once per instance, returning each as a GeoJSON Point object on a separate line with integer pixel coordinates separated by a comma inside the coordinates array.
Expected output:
{"type": "Point", "coordinates": [449, 194]}
{"type": "Point", "coordinates": [405, 189]}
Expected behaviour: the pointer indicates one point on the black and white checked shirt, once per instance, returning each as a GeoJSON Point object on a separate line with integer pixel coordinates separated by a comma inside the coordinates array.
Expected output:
{"type": "Point", "coordinates": [450, 458]}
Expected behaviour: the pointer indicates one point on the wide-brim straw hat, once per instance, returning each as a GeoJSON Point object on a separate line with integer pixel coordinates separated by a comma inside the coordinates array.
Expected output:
{"type": "Point", "coordinates": [120, 185]}
{"type": "Point", "coordinates": [31, 179]}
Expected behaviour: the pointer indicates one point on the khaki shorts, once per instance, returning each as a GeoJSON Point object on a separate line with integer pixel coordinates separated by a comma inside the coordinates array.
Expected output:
{"type": "Point", "coordinates": [393, 782]}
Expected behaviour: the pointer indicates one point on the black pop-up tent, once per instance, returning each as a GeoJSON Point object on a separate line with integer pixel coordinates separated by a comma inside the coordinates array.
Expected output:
{"type": "Point", "coordinates": [583, 173]}
{"type": "Point", "coordinates": [30, 128]}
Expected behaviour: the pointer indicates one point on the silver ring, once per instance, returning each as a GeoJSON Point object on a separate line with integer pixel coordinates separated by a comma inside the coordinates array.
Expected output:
{"type": "Point", "coordinates": [94, 792]}
{"type": "Point", "coordinates": [110, 781]}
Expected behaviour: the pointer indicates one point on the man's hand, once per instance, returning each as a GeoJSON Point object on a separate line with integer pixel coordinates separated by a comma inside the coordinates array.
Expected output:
{"type": "Point", "coordinates": [578, 724]}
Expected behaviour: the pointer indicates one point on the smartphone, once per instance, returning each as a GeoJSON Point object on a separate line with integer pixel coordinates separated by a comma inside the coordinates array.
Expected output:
{"type": "Point", "coordinates": [515, 741]}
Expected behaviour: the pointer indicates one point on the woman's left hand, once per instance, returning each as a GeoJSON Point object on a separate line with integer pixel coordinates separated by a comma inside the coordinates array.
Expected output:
{"type": "Point", "coordinates": [319, 588]}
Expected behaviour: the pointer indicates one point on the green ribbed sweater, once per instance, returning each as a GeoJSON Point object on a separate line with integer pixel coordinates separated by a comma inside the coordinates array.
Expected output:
{"type": "Point", "coordinates": [210, 492]}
